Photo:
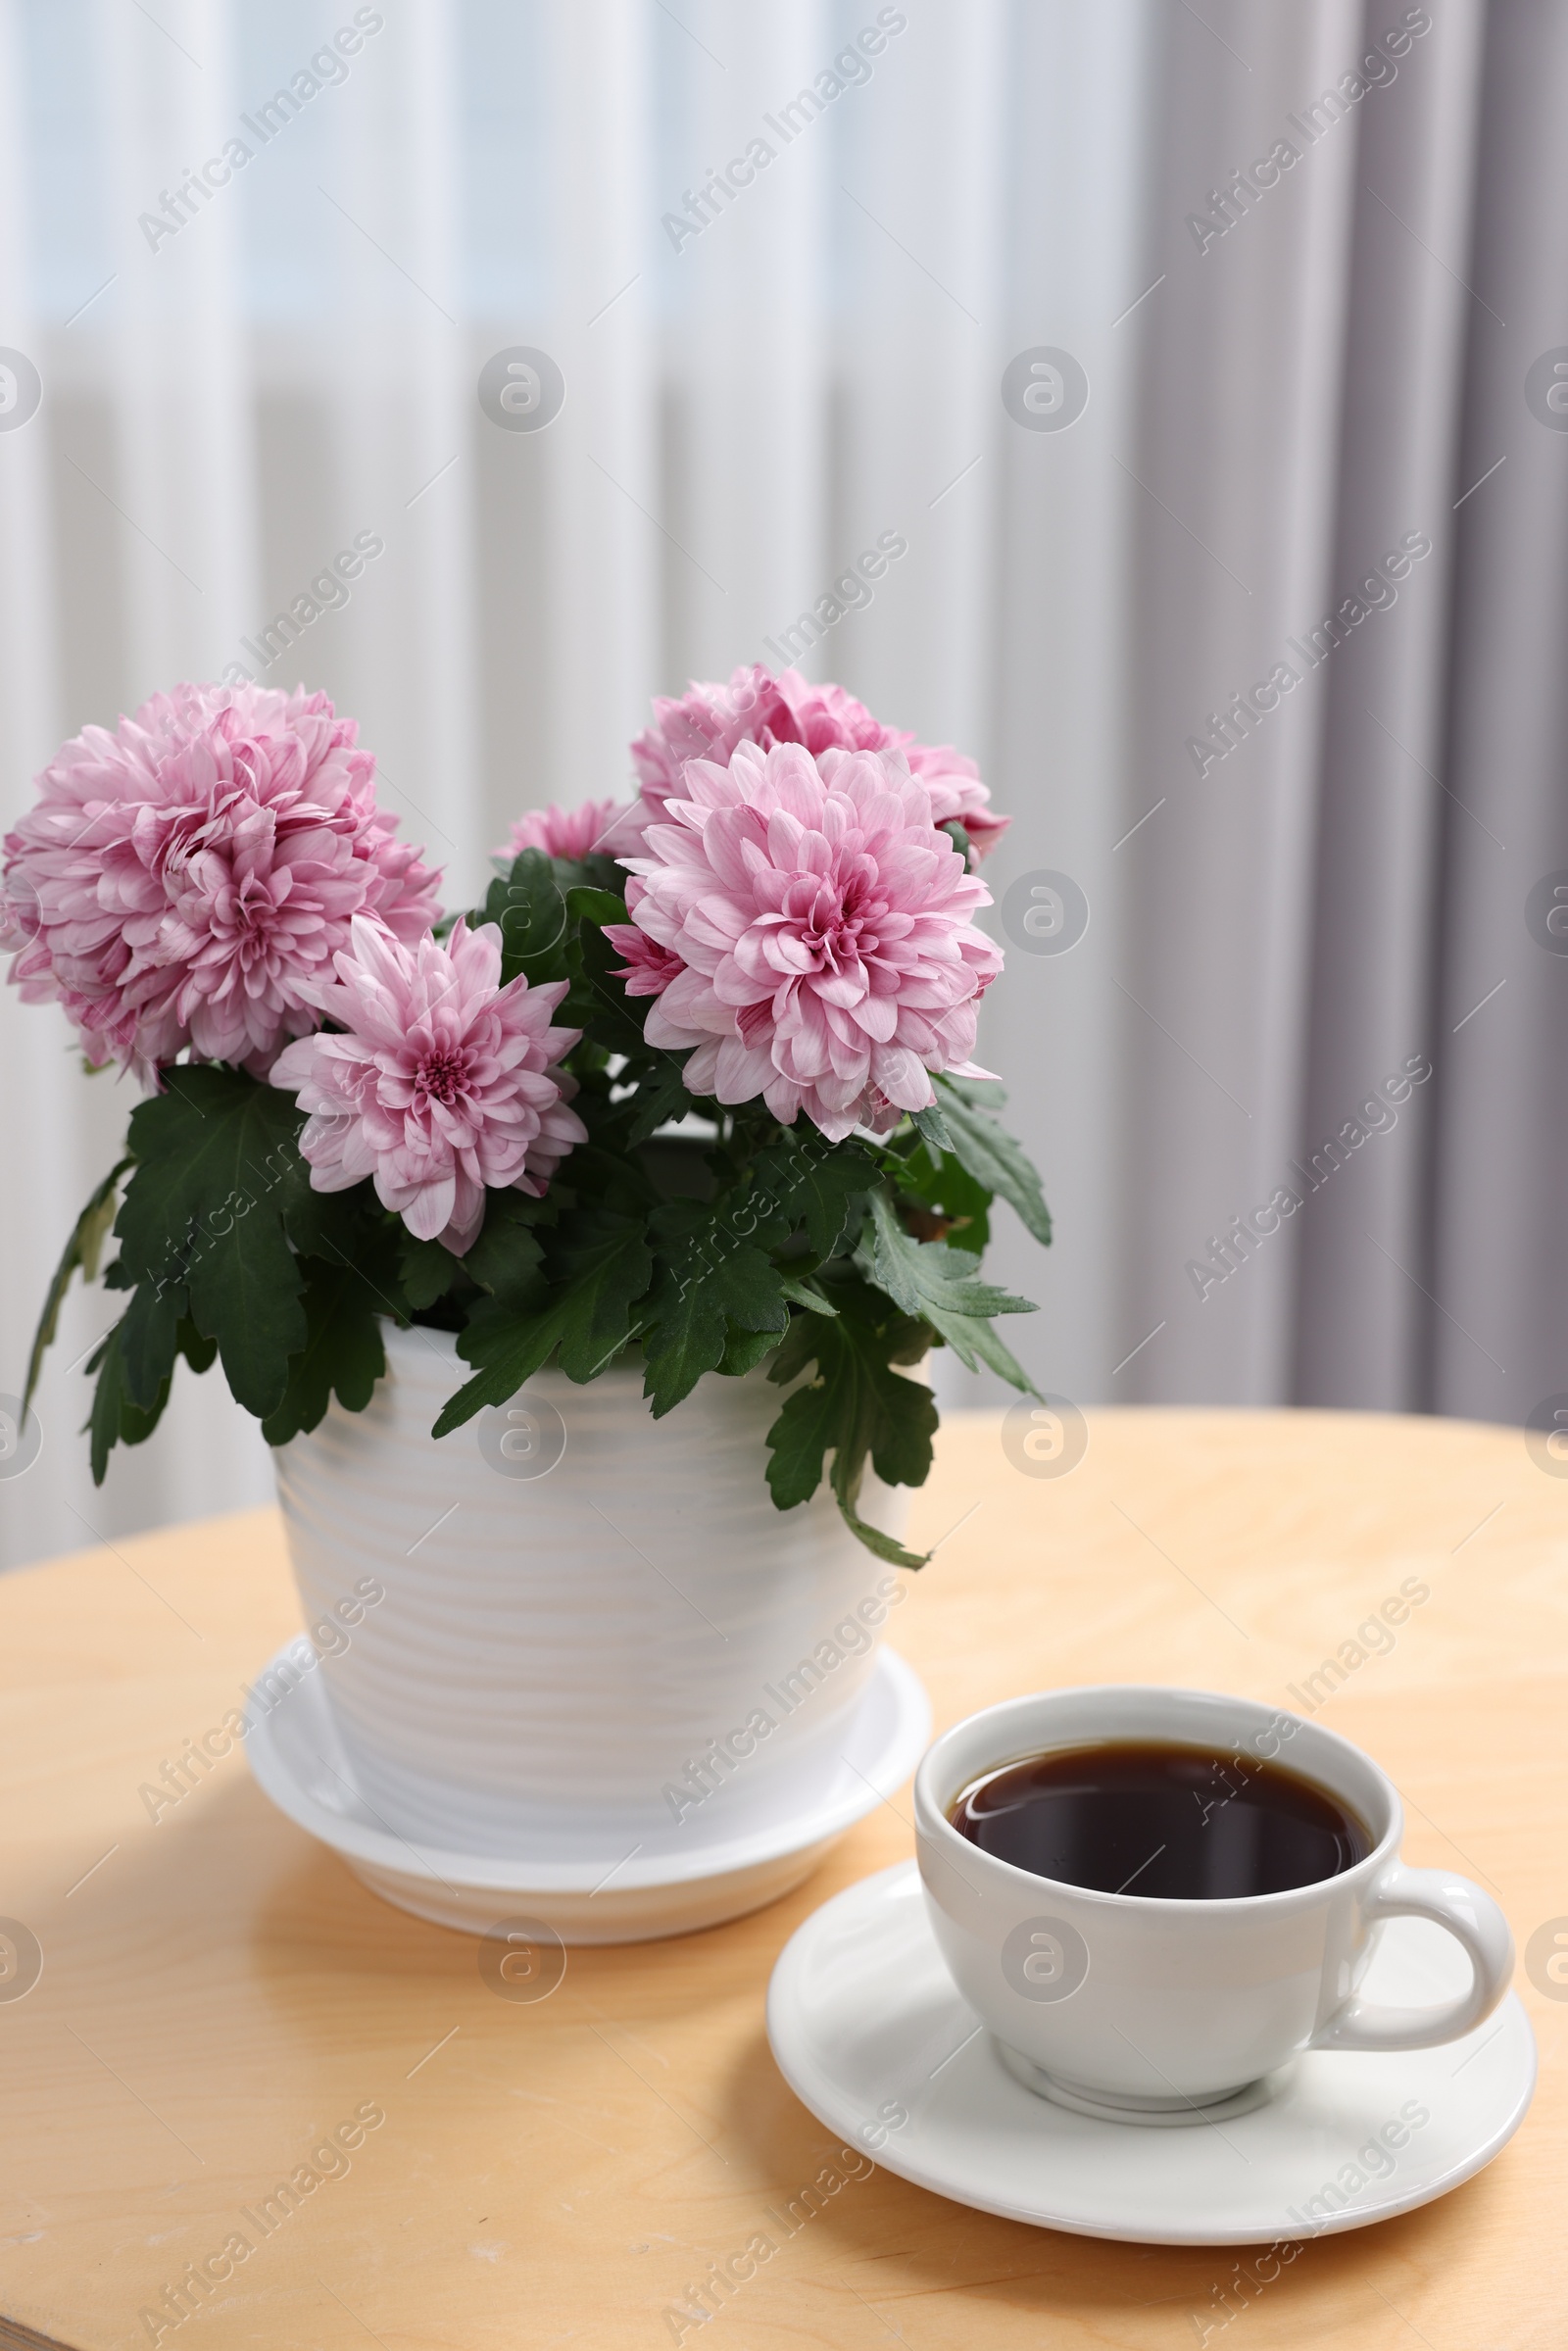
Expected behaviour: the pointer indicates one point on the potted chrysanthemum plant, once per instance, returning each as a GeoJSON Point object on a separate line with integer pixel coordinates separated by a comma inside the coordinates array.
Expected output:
{"type": "Point", "coordinates": [684, 1115]}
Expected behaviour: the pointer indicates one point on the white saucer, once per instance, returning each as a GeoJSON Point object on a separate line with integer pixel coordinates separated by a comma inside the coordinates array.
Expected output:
{"type": "Point", "coordinates": [604, 1898]}
{"type": "Point", "coordinates": [867, 2026]}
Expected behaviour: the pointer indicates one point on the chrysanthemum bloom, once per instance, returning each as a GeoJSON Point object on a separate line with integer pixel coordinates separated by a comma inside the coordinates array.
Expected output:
{"type": "Point", "coordinates": [562, 832]}
{"type": "Point", "coordinates": [442, 1083]}
{"type": "Point", "coordinates": [832, 962]}
{"type": "Point", "coordinates": [708, 721]}
{"type": "Point", "coordinates": [648, 967]}
{"type": "Point", "coordinates": [184, 880]}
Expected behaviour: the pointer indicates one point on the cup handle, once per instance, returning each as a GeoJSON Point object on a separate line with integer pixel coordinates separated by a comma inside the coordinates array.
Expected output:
{"type": "Point", "coordinates": [1473, 1918]}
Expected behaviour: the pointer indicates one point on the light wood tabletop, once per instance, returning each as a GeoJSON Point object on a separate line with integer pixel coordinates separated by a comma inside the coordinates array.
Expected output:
{"type": "Point", "coordinates": [219, 1993]}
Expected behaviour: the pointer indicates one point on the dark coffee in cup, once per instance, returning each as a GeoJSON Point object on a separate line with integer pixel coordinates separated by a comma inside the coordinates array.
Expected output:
{"type": "Point", "coordinates": [1155, 1818]}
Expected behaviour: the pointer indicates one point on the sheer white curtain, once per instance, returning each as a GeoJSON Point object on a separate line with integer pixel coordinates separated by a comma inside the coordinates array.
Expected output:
{"type": "Point", "coordinates": [227, 406]}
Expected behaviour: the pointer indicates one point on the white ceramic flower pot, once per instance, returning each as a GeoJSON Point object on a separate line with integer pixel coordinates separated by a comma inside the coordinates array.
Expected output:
{"type": "Point", "coordinates": [563, 1641]}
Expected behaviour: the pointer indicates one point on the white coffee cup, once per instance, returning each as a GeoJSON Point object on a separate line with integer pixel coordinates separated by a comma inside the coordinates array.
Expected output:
{"type": "Point", "coordinates": [1153, 2010]}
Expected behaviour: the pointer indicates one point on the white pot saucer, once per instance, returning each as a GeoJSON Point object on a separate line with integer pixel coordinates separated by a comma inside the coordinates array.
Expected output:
{"type": "Point", "coordinates": [867, 2026]}
{"type": "Point", "coordinates": [610, 1896]}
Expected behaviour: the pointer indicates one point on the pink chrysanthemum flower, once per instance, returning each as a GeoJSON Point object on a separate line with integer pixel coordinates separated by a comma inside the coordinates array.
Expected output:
{"type": "Point", "coordinates": [708, 721]}
{"type": "Point", "coordinates": [442, 1083]}
{"type": "Point", "coordinates": [648, 967]}
{"type": "Point", "coordinates": [185, 880]}
{"type": "Point", "coordinates": [826, 926]}
{"type": "Point", "coordinates": [562, 832]}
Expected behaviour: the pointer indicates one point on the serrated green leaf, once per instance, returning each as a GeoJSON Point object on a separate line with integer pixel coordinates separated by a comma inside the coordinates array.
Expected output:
{"type": "Point", "coordinates": [425, 1270]}
{"type": "Point", "coordinates": [342, 1353]}
{"type": "Point", "coordinates": [994, 1158]}
{"type": "Point", "coordinates": [507, 1256]}
{"type": "Point", "coordinates": [81, 1250]}
{"type": "Point", "coordinates": [942, 1184]}
{"type": "Point", "coordinates": [599, 1003]}
{"type": "Point", "coordinates": [938, 1284]}
{"type": "Point", "coordinates": [661, 1095]}
{"type": "Point", "coordinates": [744, 1350]}
{"type": "Point", "coordinates": [149, 1343]}
{"type": "Point", "coordinates": [529, 908]}
{"type": "Point", "coordinates": [981, 1094]}
{"type": "Point", "coordinates": [932, 1126]}
{"type": "Point", "coordinates": [875, 1538]}
{"type": "Point", "coordinates": [603, 1266]}
{"type": "Point", "coordinates": [584, 903]}
{"type": "Point", "coordinates": [113, 1418]}
{"type": "Point", "coordinates": [857, 1406]}
{"type": "Point", "coordinates": [797, 1183]}
{"type": "Point", "coordinates": [706, 1288]}
{"type": "Point", "coordinates": [216, 1151]}
{"type": "Point", "coordinates": [803, 1293]}
{"type": "Point", "coordinates": [199, 1352]}
{"type": "Point", "coordinates": [803, 1435]}
{"type": "Point", "coordinates": [345, 1227]}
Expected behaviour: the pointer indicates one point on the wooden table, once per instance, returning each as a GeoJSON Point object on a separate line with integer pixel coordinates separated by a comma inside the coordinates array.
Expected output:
{"type": "Point", "coordinates": [218, 1992]}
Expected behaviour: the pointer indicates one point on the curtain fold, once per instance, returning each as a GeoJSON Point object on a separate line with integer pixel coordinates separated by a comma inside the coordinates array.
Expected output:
{"type": "Point", "coordinates": [1263, 652]}
{"type": "Point", "coordinates": [1496, 1317]}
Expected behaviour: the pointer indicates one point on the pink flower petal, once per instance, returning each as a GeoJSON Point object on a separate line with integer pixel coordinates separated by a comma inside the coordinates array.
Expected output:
{"type": "Point", "coordinates": [817, 926]}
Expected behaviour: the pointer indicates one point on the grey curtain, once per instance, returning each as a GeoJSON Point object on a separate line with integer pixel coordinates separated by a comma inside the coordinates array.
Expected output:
{"type": "Point", "coordinates": [1342, 1105]}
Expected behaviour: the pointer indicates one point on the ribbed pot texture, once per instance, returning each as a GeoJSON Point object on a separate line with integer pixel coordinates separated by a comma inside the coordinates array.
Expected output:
{"type": "Point", "coordinates": [554, 1653]}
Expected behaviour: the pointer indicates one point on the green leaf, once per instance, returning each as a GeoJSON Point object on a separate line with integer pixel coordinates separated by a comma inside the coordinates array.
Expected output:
{"type": "Point", "coordinates": [795, 1182]}
{"type": "Point", "coordinates": [804, 1433]}
{"type": "Point", "coordinates": [803, 1293]}
{"type": "Point", "coordinates": [875, 1538]}
{"type": "Point", "coordinates": [507, 1256]}
{"type": "Point", "coordinates": [587, 904]}
{"type": "Point", "coordinates": [744, 1351]}
{"type": "Point", "coordinates": [199, 1352]}
{"type": "Point", "coordinates": [340, 1225]}
{"type": "Point", "coordinates": [598, 1003]}
{"type": "Point", "coordinates": [342, 1352]}
{"type": "Point", "coordinates": [116, 1418]}
{"type": "Point", "coordinates": [857, 1406]}
{"type": "Point", "coordinates": [149, 1343]}
{"type": "Point", "coordinates": [944, 1186]}
{"type": "Point", "coordinates": [603, 1266]}
{"type": "Point", "coordinates": [661, 1095]}
{"type": "Point", "coordinates": [532, 911]}
{"type": "Point", "coordinates": [82, 1250]}
{"type": "Point", "coordinates": [933, 1128]}
{"type": "Point", "coordinates": [981, 1094]}
{"type": "Point", "coordinates": [992, 1157]}
{"type": "Point", "coordinates": [218, 1154]}
{"type": "Point", "coordinates": [425, 1270]}
{"type": "Point", "coordinates": [938, 1284]}
{"type": "Point", "coordinates": [113, 1418]}
{"type": "Point", "coordinates": [710, 1284]}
